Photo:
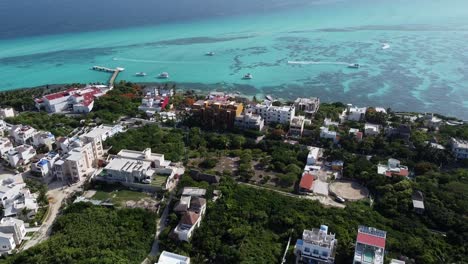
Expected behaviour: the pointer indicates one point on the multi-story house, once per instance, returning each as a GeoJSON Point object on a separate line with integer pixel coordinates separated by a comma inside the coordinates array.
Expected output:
{"type": "Point", "coordinates": [46, 139]}
{"type": "Point", "coordinates": [274, 114]}
{"type": "Point", "coordinates": [460, 148]}
{"type": "Point", "coordinates": [80, 100]}
{"type": "Point", "coordinates": [9, 225]}
{"type": "Point", "coordinates": [355, 113]}
{"type": "Point", "coordinates": [7, 112]}
{"type": "Point", "coordinates": [5, 146]}
{"type": "Point", "coordinates": [296, 127]}
{"type": "Point", "coordinates": [370, 246]}
{"type": "Point", "coordinates": [44, 166]}
{"type": "Point", "coordinates": [23, 134]}
{"type": "Point", "coordinates": [249, 121]}
{"type": "Point", "coordinates": [217, 114]}
{"type": "Point", "coordinates": [316, 246]}
{"type": "Point", "coordinates": [307, 105]}
{"type": "Point", "coordinates": [20, 155]}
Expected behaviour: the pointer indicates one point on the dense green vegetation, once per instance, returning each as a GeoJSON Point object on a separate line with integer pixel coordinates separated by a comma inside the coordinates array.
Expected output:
{"type": "Point", "coordinates": [59, 125]}
{"type": "Point", "coordinates": [92, 234]}
{"type": "Point", "coordinates": [252, 226]}
{"type": "Point", "coordinates": [123, 100]}
{"type": "Point", "coordinates": [168, 142]}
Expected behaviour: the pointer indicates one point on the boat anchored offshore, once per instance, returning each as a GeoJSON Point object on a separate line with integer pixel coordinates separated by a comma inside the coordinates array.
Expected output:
{"type": "Point", "coordinates": [354, 66]}
{"type": "Point", "coordinates": [210, 53]}
{"type": "Point", "coordinates": [248, 76]}
{"type": "Point", "coordinates": [163, 75]}
{"type": "Point", "coordinates": [140, 74]}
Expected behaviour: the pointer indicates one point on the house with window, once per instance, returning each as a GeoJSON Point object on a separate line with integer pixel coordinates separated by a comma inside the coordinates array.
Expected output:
{"type": "Point", "coordinates": [316, 246]}
{"type": "Point", "coordinates": [306, 184]}
{"type": "Point", "coordinates": [23, 134]}
{"type": "Point", "coordinates": [20, 155]}
{"type": "Point", "coordinates": [192, 206]}
{"type": "Point", "coordinates": [370, 246]}
{"type": "Point", "coordinates": [371, 129]}
{"type": "Point", "coordinates": [13, 227]}
{"type": "Point", "coordinates": [459, 148]}
{"type": "Point", "coordinates": [393, 168]}
{"type": "Point", "coordinates": [307, 105]}
{"type": "Point", "coordinates": [172, 258]}
{"type": "Point", "coordinates": [5, 146]}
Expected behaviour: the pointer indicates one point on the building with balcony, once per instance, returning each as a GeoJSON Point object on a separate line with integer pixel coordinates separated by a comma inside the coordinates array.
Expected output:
{"type": "Point", "coordinates": [215, 114]}
{"type": "Point", "coordinates": [153, 104]}
{"type": "Point", "coordinates": [393, 168]}
{"type": "Point", "coordinates": [20, 155]}
{"type": "Point", "coordinates": [187, 225]}
{"type": "Point", "coordinates": [3, 128]}
{"type": "Point", "coordinates": [24, 206]}
{"type": "Point", "coordinates": [459, 148]}
{"type": "Point", "coordinates": [354, 113]}
{"type": "Point", "coordinates": [43, 139]}
{"type": "Point", "coordinates": [172, 258]}
{"type": "Point", "coordinates": [104, 132]}
{"type": "Point", "coordinates": [43, 167]}
{"type": "Point", "coordinates": [15, 227]}
{"type": "Point", "coordinates": [296, 127]}
{"type": "Point", "coordinates": [248, 120]}
{"type": "Point", "coordinates": [5, 146]}
{"type": "Point", "coordinates": [81, 158]}
{"type": "Point", "coordinates": [23, 134]}
{"type": "Point", "coordinates": [371, 129]}
{"type": "Point", "coordinates": [137, 167]}
{"type": "Point", "coordinates": [316, 246]}
{"type": "Point", "coordinates": [326, 133]}
{"type": "Point", "coordinates": [370, 246]}
{"type": "Point", "coordinates": [79, 100]}
{"type": "Point", "coordinates": [307, 105]}
{"type": "Point", "coordinates": [274, 114]}
{"type": "Point", "coordinates": [7, 112]}
{"type": "Point", "coordinates": [7, 242]}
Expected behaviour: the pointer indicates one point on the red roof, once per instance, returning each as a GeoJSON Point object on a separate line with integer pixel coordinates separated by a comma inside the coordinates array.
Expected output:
{"type": "Point", "coordinates": [371, 240]}
{"type": "Point", "coordinates": [403, 173]}
{"type": "Point", "coordinates": [307, 181]}
{"type": "Point", "coordinates": [58, 95]}
{"type": "Point", "coordinates": [189, 218]}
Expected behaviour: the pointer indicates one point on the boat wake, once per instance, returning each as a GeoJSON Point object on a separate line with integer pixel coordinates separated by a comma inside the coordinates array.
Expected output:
{"type": "Point", "coordinates": [385, 46]}
{"type": "Point", "coordinates": [318, 62]}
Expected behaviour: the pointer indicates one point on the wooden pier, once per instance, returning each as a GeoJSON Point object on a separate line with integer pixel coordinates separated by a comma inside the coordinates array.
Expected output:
{"type": "Point", "coordinates": [115, 72]}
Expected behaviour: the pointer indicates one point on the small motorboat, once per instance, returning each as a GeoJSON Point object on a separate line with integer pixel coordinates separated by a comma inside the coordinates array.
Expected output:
{"type": "Point", "coordinates": [248, 76]}
{"type": "Point", "coordinates": [140, 74]}
{"type": "Point", "coordinates": [210, 53]}
{"type": "Point", "coordinates": [354, 66]}
{"type": "Point", "coordinates": [163, 75]}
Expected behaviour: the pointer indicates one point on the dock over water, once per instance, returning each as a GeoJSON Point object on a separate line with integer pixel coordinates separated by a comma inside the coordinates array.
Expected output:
{"type": "Point", "coordinates": [115, 72]}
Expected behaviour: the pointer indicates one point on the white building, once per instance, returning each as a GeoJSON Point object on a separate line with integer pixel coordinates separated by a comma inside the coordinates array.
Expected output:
{"type": "Point", "coordinates": [328, 134]}
{"type": "Point", "coordinates": [7, 242]}
{"type": "Point", "coordinates": [172, 258]}
{"type": "Point", "coordinates": [432, 121]}
{"type": "Point", "coordinates": [20, 155]}
{"type": "Point", "coordinates": [307, 105]}
{"type": "Point", "coordinates": [313, 156]}
{"type": "Point", "coordinates": [10, 189]}
{"type": "Point", "coordinates": [80, 100]}
{"type": "Point", "coordinates": [371, 129]}
{"type": "Point", "coordinates": [249, 121]}
{"type": "Point", "coordinates": [274, 114]}
{"type": "Point", "coordinates": [9, 225]}
{"type": "Point", "coordinates": [104, 132]}
{"type": "Point", "coordinates": [23, 134]}
{"type": "Point", "coordinates": [316, 246]}
{"type": "Point", "coordinates": [137, 166]}
{"type": "Point", "coordinates": [355, 113]}
{"type": "Point", "coordinates": [370, 246]}
{"type": "Point", "coordinates": [5, 146]}
{"type": "Point", "coordinates": [393, 168]}
{"type": "Point", "coordinates": [296, 127]}
{"type": "Point", "coordinates": [7, 112]}
{"type": "Point", "coordinates": [25, 205]}
{"type": "Point", "coordinates": [459, 148]}
{"type": "Point", "coordinates": [187, 225]}
{"type": "Point", "coordinates": [81, 159]}
{"type": "Point", "coordinates": [154, 104]}
{"type": "Point", "coordinates": [3, 128]}
{"type": "Point", "coordinates": [44, 167]}
{"type": "Point", "coordinates": [43, 139]}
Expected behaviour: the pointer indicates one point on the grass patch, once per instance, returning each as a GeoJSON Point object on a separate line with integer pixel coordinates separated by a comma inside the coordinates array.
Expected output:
{"type": "Point", "coordinates": [159, 180]}
{"type": "Point", "coordinates": [119, 196]}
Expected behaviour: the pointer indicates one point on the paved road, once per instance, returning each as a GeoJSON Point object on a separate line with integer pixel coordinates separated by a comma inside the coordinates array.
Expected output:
{"type": "Point", "coordinates": [57, 193]}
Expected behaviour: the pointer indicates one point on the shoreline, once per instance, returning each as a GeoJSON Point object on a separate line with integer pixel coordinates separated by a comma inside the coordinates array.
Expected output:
{"type": "Point", "coordinates": [244, 90]}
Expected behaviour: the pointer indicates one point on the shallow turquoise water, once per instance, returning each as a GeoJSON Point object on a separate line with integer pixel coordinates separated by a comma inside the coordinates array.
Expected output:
{"type": "Point", "coordinates": [295, 52]}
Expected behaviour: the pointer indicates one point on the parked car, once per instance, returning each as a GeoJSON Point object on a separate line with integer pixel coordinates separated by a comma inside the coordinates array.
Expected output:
{"type": "Point", "coordinates": [340, 199]}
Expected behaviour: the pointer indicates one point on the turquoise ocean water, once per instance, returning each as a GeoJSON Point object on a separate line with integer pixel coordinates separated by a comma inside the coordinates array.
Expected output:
{"type": "Point", "coordinates": [414, 54]}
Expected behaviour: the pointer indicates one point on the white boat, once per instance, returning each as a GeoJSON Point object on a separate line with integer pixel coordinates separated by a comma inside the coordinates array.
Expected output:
{"type": "Point", "coordinates": [140, 74]}
{"type": "Point", "coordinates": [163, 75]}
{"type": "Point", "coordinates": [248, 76]}
{"type": "Point", "coordinates": [210, 53]}
{"type": "Point", "coordinates": [354, 66]}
